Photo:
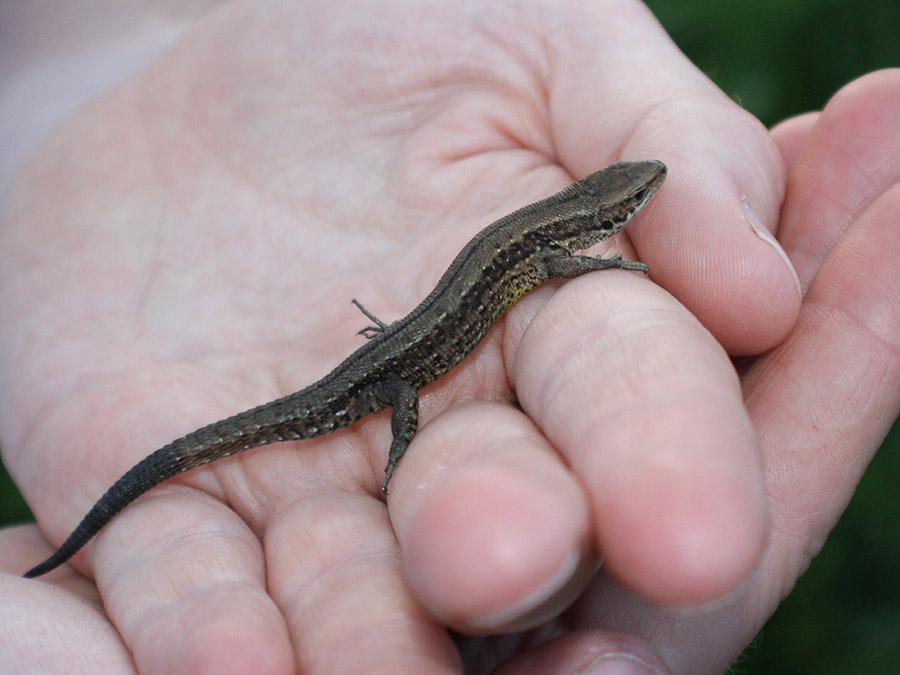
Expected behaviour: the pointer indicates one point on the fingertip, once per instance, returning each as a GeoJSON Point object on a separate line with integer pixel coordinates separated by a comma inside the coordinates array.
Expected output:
{"type": "Point", "coordinates": [845, 161]}
{"type": "Point", "coordinates": [589, 651]}
{"type": "Point", "coordinates": [501, 542]}
{"type": "Point", "coordinates": [687, 523]}
{"type": "Point", "coordinates": [183, 580]}
{"type": "Point", "coordinates": [871, 100]}
{"type": "Point", "coordinates": [703, 543]}
{"type": "Point", "coordinates": [791, 134]}
{"type": "Point", "coordinates": [487, 553]}
{"type": "Point", "coordinates": [708, 236]}
{"type": "Point", "coordinates": [716, 252]}
{"type": "Point", "coordinates": [224, 627]}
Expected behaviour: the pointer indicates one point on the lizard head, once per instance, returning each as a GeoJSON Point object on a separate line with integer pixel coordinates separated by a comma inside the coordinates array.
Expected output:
{"type": "Point", "coordinates": [621, 190]}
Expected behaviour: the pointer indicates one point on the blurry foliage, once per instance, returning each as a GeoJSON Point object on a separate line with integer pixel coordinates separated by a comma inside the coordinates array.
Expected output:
{"type": "Point", "coordinates": [778, 58]}
{"type": "Point", "coordinates": [12, 506]}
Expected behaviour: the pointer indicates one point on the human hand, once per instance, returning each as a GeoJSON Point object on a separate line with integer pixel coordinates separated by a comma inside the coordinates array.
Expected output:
{"type": "Point", "coordinates": [183, 196]}
{"type": "Point", "coordinates": [824, 399]}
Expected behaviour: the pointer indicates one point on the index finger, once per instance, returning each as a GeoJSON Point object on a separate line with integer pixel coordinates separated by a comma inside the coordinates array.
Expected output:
{"type": "Point", "coordinates": [646, 409]}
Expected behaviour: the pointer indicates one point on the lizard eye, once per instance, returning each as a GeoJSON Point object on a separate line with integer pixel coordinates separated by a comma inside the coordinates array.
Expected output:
{"type": "Point", "coordinates": [640, 194]}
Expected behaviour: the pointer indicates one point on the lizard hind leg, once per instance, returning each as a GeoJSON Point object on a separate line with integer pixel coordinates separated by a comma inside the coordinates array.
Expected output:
{"type": "Point", "coordinates": [403, 399]}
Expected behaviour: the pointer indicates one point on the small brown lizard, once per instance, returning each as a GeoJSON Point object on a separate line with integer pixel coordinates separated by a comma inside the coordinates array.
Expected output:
{"type": "Point", "coordinates": [497, 267]}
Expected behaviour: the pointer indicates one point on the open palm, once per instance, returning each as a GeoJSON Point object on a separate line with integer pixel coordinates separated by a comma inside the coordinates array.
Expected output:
{"type": "Point", "coordinates": [187, 247]}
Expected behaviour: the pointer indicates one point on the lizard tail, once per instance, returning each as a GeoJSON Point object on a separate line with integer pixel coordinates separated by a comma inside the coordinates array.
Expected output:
{"type": "Point", "coordinates": [149, 472]}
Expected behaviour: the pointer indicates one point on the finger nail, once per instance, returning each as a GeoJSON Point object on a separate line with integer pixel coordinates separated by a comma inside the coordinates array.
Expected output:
{"type": "Point", "coordinates": [763, 233]}
{"type": "Point", "coordinates": [619, 663]}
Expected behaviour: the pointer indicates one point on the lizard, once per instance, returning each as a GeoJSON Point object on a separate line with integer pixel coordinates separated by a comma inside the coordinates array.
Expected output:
{"type": "Point", "coordinates": [507, 259]}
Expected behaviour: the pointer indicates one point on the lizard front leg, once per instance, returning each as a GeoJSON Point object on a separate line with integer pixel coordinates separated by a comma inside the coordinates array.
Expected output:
{"type": "Point", "coordinates": [571, 266]}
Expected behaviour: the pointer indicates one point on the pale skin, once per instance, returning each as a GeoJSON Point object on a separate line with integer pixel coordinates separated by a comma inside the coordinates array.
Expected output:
{"type": "Point", "coordinates": [187, 247]}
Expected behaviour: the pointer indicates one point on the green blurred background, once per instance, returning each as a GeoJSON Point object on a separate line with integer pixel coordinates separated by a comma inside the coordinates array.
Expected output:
{"type": "Point", "coordinates": [778, 58]}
